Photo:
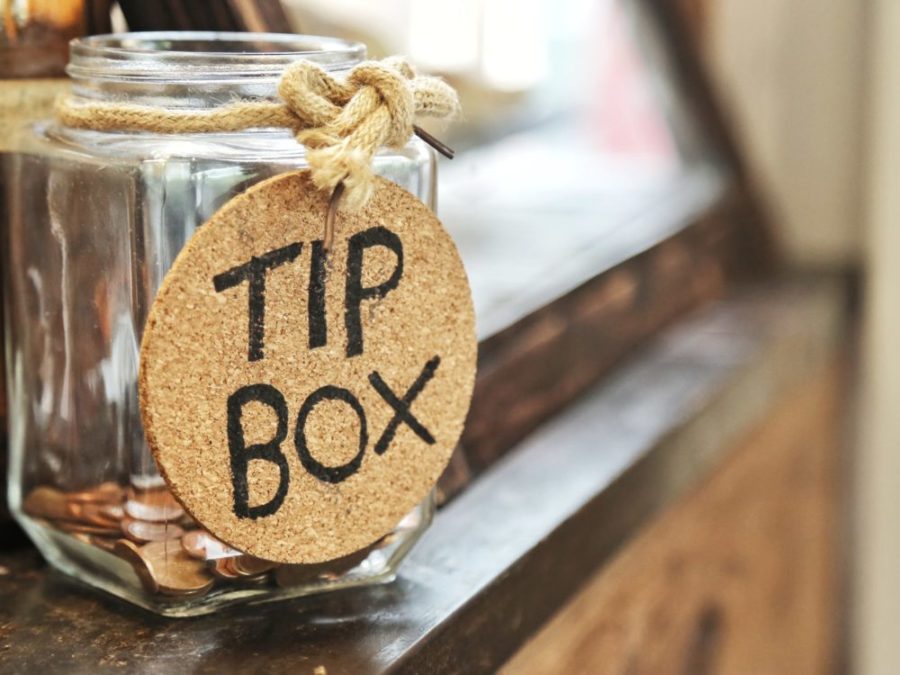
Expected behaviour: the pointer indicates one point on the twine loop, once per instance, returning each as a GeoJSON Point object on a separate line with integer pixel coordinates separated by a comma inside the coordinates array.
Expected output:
{"type": "Point", "coordinates": [342, 123]}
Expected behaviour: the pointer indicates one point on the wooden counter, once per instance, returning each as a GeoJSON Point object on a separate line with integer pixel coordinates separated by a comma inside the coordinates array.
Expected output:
{"type": "Point", "coordinates": [682, 517]}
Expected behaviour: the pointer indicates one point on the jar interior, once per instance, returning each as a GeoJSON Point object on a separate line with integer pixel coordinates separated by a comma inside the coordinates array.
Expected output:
{"type": "Point", "coordinates": [96, 221]}
{"type": "Point", "coordinates": [196, 69]}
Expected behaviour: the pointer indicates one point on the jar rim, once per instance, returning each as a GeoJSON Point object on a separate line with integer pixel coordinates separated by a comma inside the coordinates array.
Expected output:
{"type": "Point", "coordinates": [203, 55]}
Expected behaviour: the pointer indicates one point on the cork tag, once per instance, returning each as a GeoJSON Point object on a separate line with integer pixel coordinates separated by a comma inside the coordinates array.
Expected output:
{"type": "Point", "coordinates": [299, 403]}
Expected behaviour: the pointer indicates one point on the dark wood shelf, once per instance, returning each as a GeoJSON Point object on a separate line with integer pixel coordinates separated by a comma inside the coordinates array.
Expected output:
{"type": "Point", "coordinates": [505, 554]}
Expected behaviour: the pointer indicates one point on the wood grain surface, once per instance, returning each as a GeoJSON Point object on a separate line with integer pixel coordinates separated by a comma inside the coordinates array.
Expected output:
{"type": "Point", "coordinates": [502, 558]}
{"type": "Point", "coordinates": [739, 578]}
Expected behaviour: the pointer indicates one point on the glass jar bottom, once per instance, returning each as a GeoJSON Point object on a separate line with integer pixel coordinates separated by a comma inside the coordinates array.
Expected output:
{"type": "Point", "coordinates": [145, 551]}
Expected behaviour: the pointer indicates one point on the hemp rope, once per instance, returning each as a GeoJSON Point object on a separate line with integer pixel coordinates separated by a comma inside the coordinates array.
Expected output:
{"type": "Point", "coordinates": [342, 123]}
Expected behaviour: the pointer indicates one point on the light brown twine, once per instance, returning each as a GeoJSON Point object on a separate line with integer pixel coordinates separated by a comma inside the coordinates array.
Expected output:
{"type": "Point", "coordinates": [342, 123]}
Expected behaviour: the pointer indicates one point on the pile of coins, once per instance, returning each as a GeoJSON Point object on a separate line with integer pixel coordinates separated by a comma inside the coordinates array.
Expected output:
{"type": "Point", "coordinates": [169, 552]}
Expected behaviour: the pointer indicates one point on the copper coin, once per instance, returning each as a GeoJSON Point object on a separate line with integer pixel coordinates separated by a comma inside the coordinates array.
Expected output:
{"type": "Point", "coordinates": [85, 528]}
{"type": "Point", "coordinates": [94, 514]}
{"type": "Point", "coordinates": [147, 482]}
{"type": "Point", "coordinates": [202, 545]}
{"type": "Point", "coordinates": [113, 511]}
{"type": "Point", "coordinates": [153, 505]}
{"type": "Point", "coordinates": [175, 572]}
{"type": "Point", "coordinates": [164, 568]}
{"type": "Point", "coordinates": [47, 502]}
{"type": "Point", "coordinates": [221, 569]}
{"type": "Point", "coordinates": [230, 570]}
{"type": "Point", "coordinates": [248, 566]}
{"type": "Point", "coordinates": [105, 493]}
{"type": "Point", "coordinates": [74, 510]}
{"type": "Point", "coordinates": [129, 551]}
{"type": "Point", "coordinates": [143, 531]}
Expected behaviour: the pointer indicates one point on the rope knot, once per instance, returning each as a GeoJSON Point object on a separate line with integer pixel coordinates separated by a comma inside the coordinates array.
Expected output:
{"type": "Point", "coordinates": [344, 123]}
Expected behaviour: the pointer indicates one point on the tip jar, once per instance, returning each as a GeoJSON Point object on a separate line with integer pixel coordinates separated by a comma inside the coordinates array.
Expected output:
{"type": "Point", "coordinates": [95, 220]}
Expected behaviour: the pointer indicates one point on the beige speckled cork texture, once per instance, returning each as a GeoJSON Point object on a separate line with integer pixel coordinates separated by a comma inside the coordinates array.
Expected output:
{"type": "Point", "coordinates": [329, 487]}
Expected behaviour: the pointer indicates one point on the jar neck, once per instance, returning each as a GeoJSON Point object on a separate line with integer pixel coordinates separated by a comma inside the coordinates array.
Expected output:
{"type": "Point", "coordinates": [194, 69]}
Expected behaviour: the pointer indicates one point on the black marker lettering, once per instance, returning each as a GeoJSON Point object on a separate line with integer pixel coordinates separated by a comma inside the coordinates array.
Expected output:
{"type": "Point", "coordinates": [255, 272]}
{"type": "Point", "coordinates": [402, 413]}
{"type": "Point", "coordinates": [318, 326]}
{"type": "Point", "coordinates": [356, 292]}
{"type": "Point", "coordinates": [241, 454]}
{"type": "Point", "coordinates": [330, 474]}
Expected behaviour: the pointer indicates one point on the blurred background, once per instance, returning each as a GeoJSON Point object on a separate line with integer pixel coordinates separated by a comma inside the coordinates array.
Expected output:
{"type": "Point", "coordinates": [812, 90]}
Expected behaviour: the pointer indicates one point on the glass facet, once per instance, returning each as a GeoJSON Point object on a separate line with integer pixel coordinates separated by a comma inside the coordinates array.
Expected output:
{"type": "Point", "coordinates": [96, 220]}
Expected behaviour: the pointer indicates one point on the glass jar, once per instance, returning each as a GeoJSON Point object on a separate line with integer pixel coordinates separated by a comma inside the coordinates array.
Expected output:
{"type": "Point", "coordinates": [96, 220]}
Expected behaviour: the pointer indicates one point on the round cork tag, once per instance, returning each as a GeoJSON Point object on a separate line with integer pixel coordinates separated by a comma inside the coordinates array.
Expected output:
{"type": "Point", "coordinates": [299, 403]}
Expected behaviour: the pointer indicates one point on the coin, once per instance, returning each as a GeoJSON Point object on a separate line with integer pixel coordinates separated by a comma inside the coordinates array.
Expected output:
{"type": "Point", "coordinates": [245, 574]}
{"type": "Point", "coordinates": [202, 545]}
{"type": "Point", "coordinates": [143, 531]}
{"type": "Point", "coordinates": [145, 482]}
{"type": "Point", "coordinates": [95, 514]}
{"type": "Point", "coordinates": [175, 572]}
{"type": "Point", "coordinates": [248, 566]}
{"type": "Point", "coordinates": [105, 493]}
{"type": "Point", "coordinates": [154, 505]}
{"type": "Point", "coordinates": [222, 570]}
{"type": "Point", "coordinates": [163, 567]}
{"type": "Point", "coordinates": [85, 528]}
{"type": "Point", "coordinates": [73, 510]}
{"type": "Point", "coordinates": [166, 558]}
{"type": "Point", "coordinates": [113, 511]}
{"type": "Point", "coordinates": [129, 551]}
{"type": "Point", "coordinates": [47, 502]}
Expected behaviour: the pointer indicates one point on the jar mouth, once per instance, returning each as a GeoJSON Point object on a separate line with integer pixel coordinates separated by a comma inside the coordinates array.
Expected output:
{"type": "Point", "coordinates": [207, 56]}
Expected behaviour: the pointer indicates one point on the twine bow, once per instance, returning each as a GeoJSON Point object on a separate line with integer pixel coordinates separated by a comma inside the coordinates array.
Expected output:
{"type": "Point", "coordinates": [342, 123]}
